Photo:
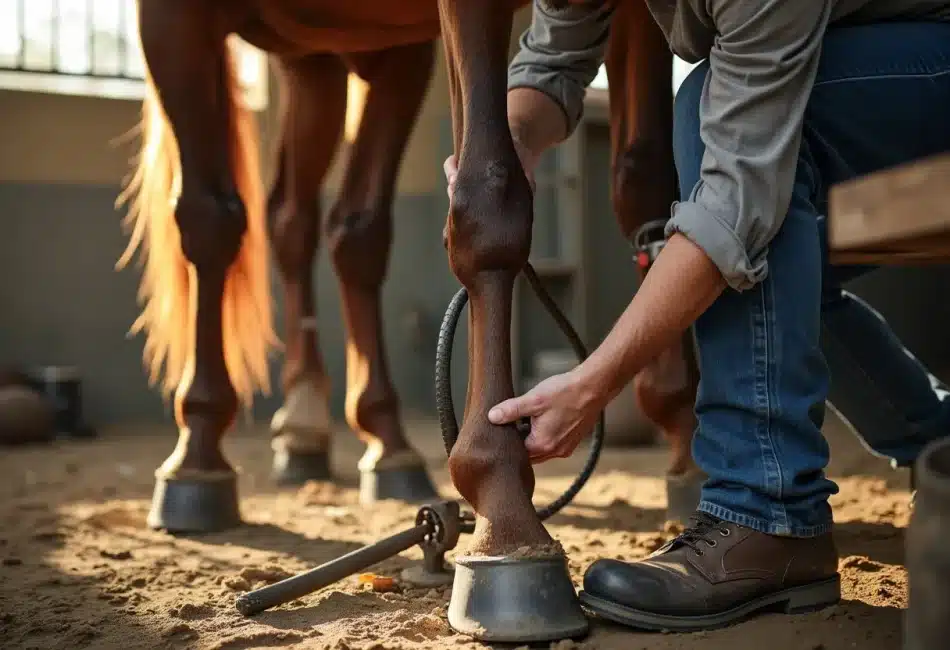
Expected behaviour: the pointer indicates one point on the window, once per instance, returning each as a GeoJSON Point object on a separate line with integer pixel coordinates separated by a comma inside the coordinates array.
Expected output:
{"type": "Point", "coordinates": [90, 47]}
{"type": "Point", "coordinates": [680, 69]}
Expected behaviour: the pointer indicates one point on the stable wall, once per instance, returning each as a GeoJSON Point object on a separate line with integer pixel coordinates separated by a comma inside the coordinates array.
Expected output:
{"type": "Point", "coordinates": [62, 162]}
{"type": "Point", "coordinates": [62, 302]}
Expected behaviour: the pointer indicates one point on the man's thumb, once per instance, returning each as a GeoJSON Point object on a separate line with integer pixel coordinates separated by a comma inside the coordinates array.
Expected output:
{"type": "Point", "coordinates": [510, 410]}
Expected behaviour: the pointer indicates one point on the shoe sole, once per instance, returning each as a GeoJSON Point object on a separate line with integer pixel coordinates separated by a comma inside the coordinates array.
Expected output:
{"type": "Point", "coordinates": [797, 600]}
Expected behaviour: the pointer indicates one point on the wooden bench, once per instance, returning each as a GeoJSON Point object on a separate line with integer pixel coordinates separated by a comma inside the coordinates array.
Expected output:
{"type": "Point", "coordinates": [896, 216]}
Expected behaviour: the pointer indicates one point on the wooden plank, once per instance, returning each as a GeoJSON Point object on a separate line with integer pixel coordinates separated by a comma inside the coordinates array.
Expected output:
{"type": "Point", "coordinates": [888, 258]}
{"type": "Point", "coordinates": [902, 213]}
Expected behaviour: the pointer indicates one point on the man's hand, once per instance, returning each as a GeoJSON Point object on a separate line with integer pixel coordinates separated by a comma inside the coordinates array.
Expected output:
{"type": "Point", "coordinates": [563, 410]}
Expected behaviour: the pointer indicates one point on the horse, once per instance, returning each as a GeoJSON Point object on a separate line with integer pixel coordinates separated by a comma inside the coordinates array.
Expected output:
{"type": "Point", "coordinates": [489, 239]}
{"type": "Point", "coordinates": [203, 228]}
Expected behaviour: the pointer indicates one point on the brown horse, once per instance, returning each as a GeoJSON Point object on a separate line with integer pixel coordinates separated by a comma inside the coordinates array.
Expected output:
{"type": "Point", "coordinates": [201, 222]}
{"type": "Point", "coordinates": [489, 226]}
{"type": "Point", "coordinates": [639, 69]}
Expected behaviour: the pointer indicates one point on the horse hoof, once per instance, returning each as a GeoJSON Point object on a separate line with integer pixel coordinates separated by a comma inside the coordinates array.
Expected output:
{"type": "Point", "coordinates": [683, 492]}
{"type": "Point", "coordinates": [295, 467]}
{"type": "Point", "coordinates": [409, 484]}
{"type": "Point", "coordinates": [515, 600]}
{"type": "Point", "coordinates": [193, 505]}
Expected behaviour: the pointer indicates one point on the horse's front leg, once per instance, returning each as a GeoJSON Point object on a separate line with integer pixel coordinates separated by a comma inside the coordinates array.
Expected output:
{"type": "Point", "coordinates": [314, 110]}
{"type": "Point", "coordinates": [639, 67]}
{"type": "Point", "coordinates": [360, 231]}
{"type": "Point", "coordinates": [489, 238]}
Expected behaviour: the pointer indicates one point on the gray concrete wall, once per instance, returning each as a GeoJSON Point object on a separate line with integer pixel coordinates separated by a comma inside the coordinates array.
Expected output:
{"type": "Point", "coordinates": [64, 304]}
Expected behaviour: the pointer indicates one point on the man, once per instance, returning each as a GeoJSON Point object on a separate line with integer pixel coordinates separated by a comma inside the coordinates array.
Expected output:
{"type": "Point", "coordinates": [792, 97]}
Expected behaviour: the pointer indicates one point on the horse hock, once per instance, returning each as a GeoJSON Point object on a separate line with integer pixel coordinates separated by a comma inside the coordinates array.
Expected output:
{"type": "Point", "coordinates": [927, 623]}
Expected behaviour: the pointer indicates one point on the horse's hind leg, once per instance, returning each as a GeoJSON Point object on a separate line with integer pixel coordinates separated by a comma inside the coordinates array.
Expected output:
{"type": "Point", "coordinates": [359, 229]}
{"type": "Point", "coordinates": [312, 121]}
{"type": "Point", "coordinates": [639, 67]}
{"type": "Point", "coordinates": [184, 46]}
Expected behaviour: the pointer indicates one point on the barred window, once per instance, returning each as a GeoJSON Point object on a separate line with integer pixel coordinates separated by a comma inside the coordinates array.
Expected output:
{"type": "Point", "coordinates": [91, 47]}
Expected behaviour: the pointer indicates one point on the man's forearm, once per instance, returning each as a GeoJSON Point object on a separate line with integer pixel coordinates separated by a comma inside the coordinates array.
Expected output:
{"type": "Point", "coordinates": [682, 283]}
{"type": "Point", "coordinates": [537, 122]}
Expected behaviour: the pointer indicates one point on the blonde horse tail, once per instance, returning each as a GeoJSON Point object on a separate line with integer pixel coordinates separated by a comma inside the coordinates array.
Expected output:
{"type": "Point", "coordinates": [166, 287]}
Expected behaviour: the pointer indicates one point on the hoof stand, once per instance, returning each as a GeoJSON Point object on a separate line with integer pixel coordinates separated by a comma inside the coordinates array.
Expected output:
{"type": "Point", "coordinates": [294, 467]}
{"type": "Point", "coordinates": [515, 600]}
{"type": "Point", "coordinates": [189, 505]}
{"type": "Point", "coordinates": [409, 484]}
{"type": "Point", "coordinates": [419, 576]}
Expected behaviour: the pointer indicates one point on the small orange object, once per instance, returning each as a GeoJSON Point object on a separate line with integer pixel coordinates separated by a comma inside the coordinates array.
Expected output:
{"type": "Point", "coordinates": [382, 583]}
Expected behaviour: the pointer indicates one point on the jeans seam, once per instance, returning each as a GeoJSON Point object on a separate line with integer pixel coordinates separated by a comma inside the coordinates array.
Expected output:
{"type": "Point", "coordinates": [881, 395]}
{"type": "Point", "coordinates": [764, 405]}
{"type": "Point", "coordinates": [761, 525]}
{"type": "Point", "coordinates": [883, 77]}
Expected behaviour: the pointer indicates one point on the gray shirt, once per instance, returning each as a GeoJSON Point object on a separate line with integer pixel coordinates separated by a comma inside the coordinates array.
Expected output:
{"type": "Point", "coordinates": [763, 58]}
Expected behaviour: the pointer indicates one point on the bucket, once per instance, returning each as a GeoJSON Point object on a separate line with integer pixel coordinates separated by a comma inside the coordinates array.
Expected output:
{"type": "Point", "coordinates": [62, 387]}
{"type": "Point", "coordinates": [927, 621]}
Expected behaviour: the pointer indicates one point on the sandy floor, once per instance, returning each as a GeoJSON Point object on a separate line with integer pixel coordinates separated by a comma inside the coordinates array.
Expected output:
{"type": "Point", "coordinates": [78, 568]}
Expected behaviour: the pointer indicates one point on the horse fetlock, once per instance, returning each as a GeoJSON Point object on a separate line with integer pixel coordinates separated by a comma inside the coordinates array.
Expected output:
{"type": "Point", "coordinates": [197, 452]}
{"type": "Point", "coordinates": [490, 218]}
{"type": "Point", "coordinates": [487, 461]}
{"type": "Point", "coordinates": [207, 405]}
{"type": "Point", "coordinates": [359, 241]}
{"type": "Point", "coordinates": [212, 228]}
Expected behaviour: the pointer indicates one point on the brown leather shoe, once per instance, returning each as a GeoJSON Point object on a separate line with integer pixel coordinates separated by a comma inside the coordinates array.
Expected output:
{"type": "Point", "coordinates": [714, 574]}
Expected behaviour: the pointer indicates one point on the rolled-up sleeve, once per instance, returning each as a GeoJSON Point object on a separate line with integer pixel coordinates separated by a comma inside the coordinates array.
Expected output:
{"type": "Point", "coordinates": [761, 70]}
{"type": "Point", "coordinates": [561, 53]}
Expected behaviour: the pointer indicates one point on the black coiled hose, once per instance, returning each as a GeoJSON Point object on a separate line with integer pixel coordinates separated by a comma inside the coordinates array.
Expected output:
{"type": "Point", "coordinates": [443, 383]}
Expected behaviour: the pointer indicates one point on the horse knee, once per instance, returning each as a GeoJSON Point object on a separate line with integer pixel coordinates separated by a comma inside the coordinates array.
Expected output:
{"type": "Point", "coordinates": [489, 223]}
{"type": "Point", "coordinates": [359, 241]}
{"type": "Point", "coordinates": [211, 227]}
{"type": "Point", "coordinates": [643, 183]}
{"type": "Point", "coordinates": [294, 234]}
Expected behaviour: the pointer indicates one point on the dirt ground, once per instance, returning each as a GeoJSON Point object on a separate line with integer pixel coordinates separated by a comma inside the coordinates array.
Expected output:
{"type": "Point", "coordinates": [79, 569]}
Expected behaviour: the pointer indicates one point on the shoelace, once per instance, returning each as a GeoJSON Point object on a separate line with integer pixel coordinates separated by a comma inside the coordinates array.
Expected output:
{"type": "Point", "coordinates": [701, 531]}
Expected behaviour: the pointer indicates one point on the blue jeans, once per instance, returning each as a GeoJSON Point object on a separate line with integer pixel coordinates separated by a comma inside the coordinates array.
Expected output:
{"type": "Point", "coordinates": [772, 355]}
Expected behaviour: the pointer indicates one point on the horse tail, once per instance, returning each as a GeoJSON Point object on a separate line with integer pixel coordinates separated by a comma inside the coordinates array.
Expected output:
{"type": "Point", "coordinates": [168, 280]}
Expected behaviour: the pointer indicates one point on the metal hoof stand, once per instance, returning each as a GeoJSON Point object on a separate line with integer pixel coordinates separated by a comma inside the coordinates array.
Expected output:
{"type": "Point", "coordinates": [495, 599]}
{"type": "Point", "coordinates": [437, 531]}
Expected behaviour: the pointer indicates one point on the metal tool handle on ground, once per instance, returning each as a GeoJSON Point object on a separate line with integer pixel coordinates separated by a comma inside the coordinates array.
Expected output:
{"type": "Point", "coordinates": [326, 574]}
